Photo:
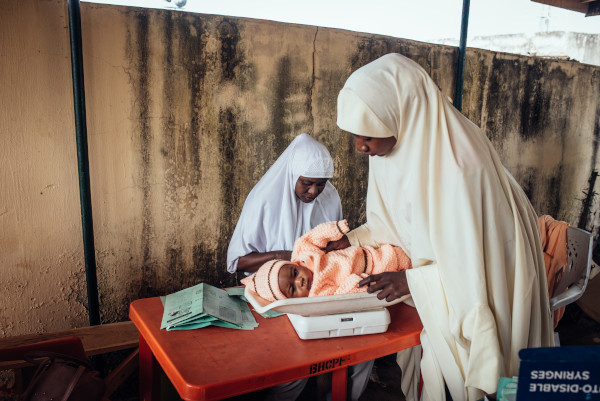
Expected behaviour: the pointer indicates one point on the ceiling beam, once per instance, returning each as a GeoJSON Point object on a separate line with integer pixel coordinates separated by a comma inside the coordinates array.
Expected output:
{"type": "Point", "coordinates": [587, 7]}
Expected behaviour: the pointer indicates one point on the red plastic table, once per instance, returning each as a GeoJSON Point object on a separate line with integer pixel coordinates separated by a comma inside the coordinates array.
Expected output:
{"type": "Point", "coordinates": [214, 362]}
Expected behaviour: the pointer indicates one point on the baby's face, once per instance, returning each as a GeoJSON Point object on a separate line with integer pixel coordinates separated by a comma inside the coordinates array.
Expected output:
{"type": "Point", "coordinates": [295, 281]}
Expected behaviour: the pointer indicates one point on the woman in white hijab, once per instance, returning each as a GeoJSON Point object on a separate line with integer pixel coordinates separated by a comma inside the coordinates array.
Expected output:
{"type": "Point", "coordinates": [437, 188]}
{"type": "Point", "coordinates": [292, 197]}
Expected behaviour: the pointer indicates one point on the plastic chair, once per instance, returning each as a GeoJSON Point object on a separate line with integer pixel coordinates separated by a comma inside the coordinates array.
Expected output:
{"type": "Point", "coordinates": [571, 281]}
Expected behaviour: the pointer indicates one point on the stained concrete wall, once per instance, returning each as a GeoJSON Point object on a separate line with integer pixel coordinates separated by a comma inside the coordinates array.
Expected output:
{"type": "Point", "coordinates": [185, 112]}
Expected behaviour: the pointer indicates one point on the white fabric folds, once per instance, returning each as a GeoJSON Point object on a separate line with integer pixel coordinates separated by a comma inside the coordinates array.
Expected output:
{"type": "Point", "coordinates": [442, 194]}
{"type": "Point", "coordinates": [273, 217]}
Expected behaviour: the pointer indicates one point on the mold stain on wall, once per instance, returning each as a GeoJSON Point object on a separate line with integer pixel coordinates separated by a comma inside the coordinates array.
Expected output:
{"type": "Point", "coordinates": [352, 187]}
{"type": "Point", "coordinates": [173, 151]}
{"type": "Point", "coordinates": [587, 202]}
{"type": "Point", "coordinates": [228, 174]}
{"type": "Point", "coordinates": [367, 50]}
{"type": "Point", "coordinates": [535, 103]}
{"type": "Point", "coordinates": [590, 195]}
{"type": "Point", "coordinates": [475, 86]}
{"type": "Point", "coordinates": [498, 97]}
{"type": "Point", "coordinates": [282, 89]}
{"type": "Point", "coordinates": [139, 48]}
{"type": "Point", "coordinates": [371, 47]}
{"type": "Point", "coordinates": [194, 62]}
{"type": "Point", "coordinates": [311, 85]}
{"type": "Point", "coordinates": [183, 84]}
{"type": "Point", "coordinates": [230, 58]}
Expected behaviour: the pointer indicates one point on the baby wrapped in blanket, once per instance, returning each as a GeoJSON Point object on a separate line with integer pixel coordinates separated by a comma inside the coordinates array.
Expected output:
{"type": "Point", "coordinates": [314, 272]}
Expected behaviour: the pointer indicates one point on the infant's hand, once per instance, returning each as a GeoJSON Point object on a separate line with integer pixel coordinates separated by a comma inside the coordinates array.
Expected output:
{"type": "Point", "coordinates": [342, 243]}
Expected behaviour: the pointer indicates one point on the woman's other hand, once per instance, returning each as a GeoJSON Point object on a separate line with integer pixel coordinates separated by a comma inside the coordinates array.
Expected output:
{"type": "Point", "coordinates": [393, 285]}
{"type": "Point", "coordinates": [284, 255]}
{"type": "Point", "coordinates": [341, 243]}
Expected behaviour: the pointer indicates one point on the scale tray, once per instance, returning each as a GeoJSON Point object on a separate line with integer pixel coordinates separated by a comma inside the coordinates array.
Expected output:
{"type": "Point", "coordinates": [319, 306]}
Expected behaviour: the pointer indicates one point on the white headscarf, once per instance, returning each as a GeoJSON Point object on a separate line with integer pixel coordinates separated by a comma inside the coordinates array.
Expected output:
{"type": "Point", "coordinates": [442, 194]}
{"type": "Point", "coordinates": [273, 217]}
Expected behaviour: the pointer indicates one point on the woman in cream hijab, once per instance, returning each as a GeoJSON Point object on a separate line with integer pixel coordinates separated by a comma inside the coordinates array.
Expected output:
{"type": "Point", "coordinates": [437, 188]}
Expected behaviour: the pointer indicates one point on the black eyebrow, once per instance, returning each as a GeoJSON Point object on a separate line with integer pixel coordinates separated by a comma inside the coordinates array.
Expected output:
{"type": "Point", "coordinates": [314, 181]}
{"type": "Point", "coordinates": [292, 283]}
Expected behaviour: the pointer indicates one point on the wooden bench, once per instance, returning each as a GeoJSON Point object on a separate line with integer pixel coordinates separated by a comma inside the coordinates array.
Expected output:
{"type": "Point", "coordinates": [96, 340]}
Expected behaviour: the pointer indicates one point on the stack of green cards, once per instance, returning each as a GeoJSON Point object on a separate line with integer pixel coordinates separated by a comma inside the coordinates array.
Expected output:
{"type": "Point", "coordinates": [204, 305]}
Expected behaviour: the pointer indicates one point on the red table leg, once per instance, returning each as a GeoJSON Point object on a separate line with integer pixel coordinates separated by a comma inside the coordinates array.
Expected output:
{"type": "Point", "coordinates": [338, 384]}
{"type": "Point", "coordinates": [149, 373]}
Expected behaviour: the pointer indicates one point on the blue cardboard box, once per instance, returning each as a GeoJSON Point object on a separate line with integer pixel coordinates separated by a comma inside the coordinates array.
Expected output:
{"type": "Point", "coordinates": [559, 373]}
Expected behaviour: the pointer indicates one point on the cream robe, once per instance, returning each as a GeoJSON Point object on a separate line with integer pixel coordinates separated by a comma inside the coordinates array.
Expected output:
{"type": "Point", "coordinates": [442, 194]}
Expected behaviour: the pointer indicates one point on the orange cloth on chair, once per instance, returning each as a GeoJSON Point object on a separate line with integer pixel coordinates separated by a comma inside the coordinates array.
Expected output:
{"type": "Point", "coordinates": [554, 245]}
{"type": "Point", "coordinates": [338, 272]}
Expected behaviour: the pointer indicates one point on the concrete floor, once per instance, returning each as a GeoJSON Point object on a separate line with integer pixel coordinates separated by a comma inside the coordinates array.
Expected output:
{"type": "Point", "coordinates": [577, 328]}
{"type": "Point", "coordinates": [385, 381]}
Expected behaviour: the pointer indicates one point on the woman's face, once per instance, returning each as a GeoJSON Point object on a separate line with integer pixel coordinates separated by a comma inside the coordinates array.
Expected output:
{"type": "Point", "coordinates": [294, 281]}
{"type": "Point", "coordinates": [307, 189]}
{"type": "Point", "coordinates": [374, 146]}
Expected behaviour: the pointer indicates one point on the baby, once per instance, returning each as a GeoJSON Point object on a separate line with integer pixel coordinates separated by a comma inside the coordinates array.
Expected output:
{"type": "Point", "coordinates": [314, 272]}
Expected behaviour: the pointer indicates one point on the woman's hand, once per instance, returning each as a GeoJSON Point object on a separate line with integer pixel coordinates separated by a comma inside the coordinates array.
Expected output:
{"type": "Point", "coordinates": [253, 261]}
{"type": "Point", "coordinates": [393, 285]}
{"type": "Point", "coordinates": [341, 243]}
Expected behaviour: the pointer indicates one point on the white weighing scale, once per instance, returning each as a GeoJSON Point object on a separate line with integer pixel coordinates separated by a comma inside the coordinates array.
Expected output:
{"type": "Point", "coordinates": [332, 315]}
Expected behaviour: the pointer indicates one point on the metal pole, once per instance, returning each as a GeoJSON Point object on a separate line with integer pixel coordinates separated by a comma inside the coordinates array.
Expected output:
{"type": "Point", "coordinates": [462, 51]}
{"type": "Point", "coordinates": [87, 224]}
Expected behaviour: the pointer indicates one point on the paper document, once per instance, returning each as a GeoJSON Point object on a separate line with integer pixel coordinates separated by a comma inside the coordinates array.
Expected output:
{"type": "Point", "coordinates": [239, 292]}
{"type": "Point", "coordinates": [204, 305]}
